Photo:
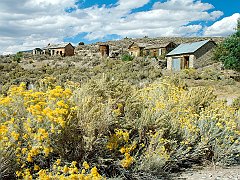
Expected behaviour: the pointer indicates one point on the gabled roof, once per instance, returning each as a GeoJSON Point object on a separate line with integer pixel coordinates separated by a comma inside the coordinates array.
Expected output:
{"type": "Point", "coordinates": [187, 48]}
{"type": "Point", "coordinates": [56, 46]}
{"type": "Point", "coordinates": [158, 46]}
{"type": "Point", "coordinates": [38, 49]}
{"type": "Point", "coordinates": [141, 45]}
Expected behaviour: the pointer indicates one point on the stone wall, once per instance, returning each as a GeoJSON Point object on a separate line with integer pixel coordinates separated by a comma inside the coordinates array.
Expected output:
{"type": "Point", "coordinates": [204, 55]}
{"type": "Point", "coordinates": [169, 63]}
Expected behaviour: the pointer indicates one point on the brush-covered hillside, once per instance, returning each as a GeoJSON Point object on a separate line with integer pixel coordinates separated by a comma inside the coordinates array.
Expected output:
{"type": "Point", "coordinates": [85, 117]}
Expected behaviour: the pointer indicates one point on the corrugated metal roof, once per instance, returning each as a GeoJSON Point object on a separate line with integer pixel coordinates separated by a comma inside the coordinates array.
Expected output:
{"type": "Point", "coordinates": [187, 48]}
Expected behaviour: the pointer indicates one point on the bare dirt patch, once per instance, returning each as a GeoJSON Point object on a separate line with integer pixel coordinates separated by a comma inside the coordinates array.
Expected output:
{"type": "Point", "coordinates": [210, 173]}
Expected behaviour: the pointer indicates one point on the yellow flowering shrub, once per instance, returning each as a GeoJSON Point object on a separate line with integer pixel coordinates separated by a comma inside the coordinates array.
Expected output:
{"type": "Point", "coordinates": [110, 128]}
{"type": "Point", "coordinates": [184, 124]}
{"type": "Point", "coordinates": [120, 141]}
{"type": "Point", "coordinates": [30, 122]}
{"type": "Point", "coordinates": [70, 171]}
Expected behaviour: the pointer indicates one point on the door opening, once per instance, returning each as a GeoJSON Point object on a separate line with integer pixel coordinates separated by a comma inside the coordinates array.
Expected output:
{"type": "Point", "coordinates": [186, 62]}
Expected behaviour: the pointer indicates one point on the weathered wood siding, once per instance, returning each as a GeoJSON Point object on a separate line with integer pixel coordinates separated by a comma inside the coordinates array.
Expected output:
{"type": "Point", "coordinates": [69, 50]}
{"type": "Point", "coordinates": [104, 50]}
{"type": "Point", "coordinates": [170, 47]}
{"type": "Point", "coordinates": [134, 50]}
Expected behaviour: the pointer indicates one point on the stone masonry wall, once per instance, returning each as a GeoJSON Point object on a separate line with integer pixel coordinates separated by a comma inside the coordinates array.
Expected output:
{"type": "Point", "coordinates": [204, 55]}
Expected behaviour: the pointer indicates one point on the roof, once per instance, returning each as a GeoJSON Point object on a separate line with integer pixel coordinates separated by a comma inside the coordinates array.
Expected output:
{"type": "Point", "coordinates": [56, 46]}
{"type": "Point", "coordinates": [187, 48]}
{"type": "Point", "coordinates": [103, 45]}
{"type": "Point", "coordinates": [158, 46]}
{"type": "Point", "coordinates": [141, 45]}
{"type": "Point", "coordinates": [38, 49]}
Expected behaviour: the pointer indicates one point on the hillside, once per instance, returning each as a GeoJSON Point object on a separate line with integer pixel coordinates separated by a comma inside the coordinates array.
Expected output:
{"type": "Point", "coordinates": [85, 117]}
{"type": "Point", "coordinates": [123, 44]}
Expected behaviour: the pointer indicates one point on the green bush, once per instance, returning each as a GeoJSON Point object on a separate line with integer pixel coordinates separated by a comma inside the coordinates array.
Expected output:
{"type": "Point", "coordinates": [18, 57]}
{"type": "Point", "coordinates": [127, 57]}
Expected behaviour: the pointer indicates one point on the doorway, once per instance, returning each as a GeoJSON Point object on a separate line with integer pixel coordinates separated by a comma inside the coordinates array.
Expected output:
{"type": "Point", "coordinates": [186, 62]}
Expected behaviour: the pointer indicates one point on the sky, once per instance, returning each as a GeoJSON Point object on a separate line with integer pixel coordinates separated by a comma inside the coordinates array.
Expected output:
{"type": "Point", "coordinates": [27, 24]}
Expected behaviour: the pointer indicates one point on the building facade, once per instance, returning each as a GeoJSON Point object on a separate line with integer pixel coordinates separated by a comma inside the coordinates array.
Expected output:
{"type": "Point", "coordinates": [159, 50]}
{"type": "Point", "coordinates": [37, 51]}
{"type": "Point", "coordinates": [190, 55]}
{"type": "Point", "coordinates": [66, 49]}
{"type": "Point", "coordinates": [137, 49]}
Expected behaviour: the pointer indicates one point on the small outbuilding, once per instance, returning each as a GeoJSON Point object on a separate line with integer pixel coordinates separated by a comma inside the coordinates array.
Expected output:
{"type": "Point", "coordinates": [104, 50]}
{"type": "Point", "coordinates": [65, 49]}
{"type": "Point", "coordinates": [190, 55]}
{"type": "Point", "coordinates": [136, 49]}
{"type": "Point", "coordinates": [159, 49]}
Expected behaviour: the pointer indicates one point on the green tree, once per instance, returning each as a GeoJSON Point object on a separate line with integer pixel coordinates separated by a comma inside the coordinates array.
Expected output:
{"type": "Point", "coordinates": [228, 52]}
{"type": "Point", "coordinates": [238, 24]}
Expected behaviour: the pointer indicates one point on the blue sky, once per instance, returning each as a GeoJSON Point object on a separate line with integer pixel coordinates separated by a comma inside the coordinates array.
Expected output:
{"type": "Point", "coordinates": [27, 24]}
{"type": "Point", "coordinates": [227, 7]}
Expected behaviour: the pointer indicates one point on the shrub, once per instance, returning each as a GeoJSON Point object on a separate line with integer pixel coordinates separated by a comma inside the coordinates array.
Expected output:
{"type": "Point", "coordinates": [18, 57]}
{"type": "Point", "coordinates": [113, 127]}
{"type": "Point", "coordinates": [185, 126]}
{"type": "Point", "coordinates": [127, 57]}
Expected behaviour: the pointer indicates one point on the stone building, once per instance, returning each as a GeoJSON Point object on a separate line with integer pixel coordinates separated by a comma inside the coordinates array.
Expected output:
{"type": "Point", "coordinates": [65, 49]}
{"type": "Point", "coordinates": [159, 49]}
{"type": "Point", "coordinates": [190, 55]}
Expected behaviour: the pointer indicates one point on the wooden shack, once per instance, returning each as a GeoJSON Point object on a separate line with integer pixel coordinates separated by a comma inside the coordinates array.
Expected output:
{"type": "Point", "coordinates": [65, 49]}
{"type": "Point", "coordinates": [136, 49]}
{"type": "Point", "coordinates": [190, 55]}
{"type": "Point", "coordinates": [104, 50]}
{"type": "Point", "coordinates": [159, 50]}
